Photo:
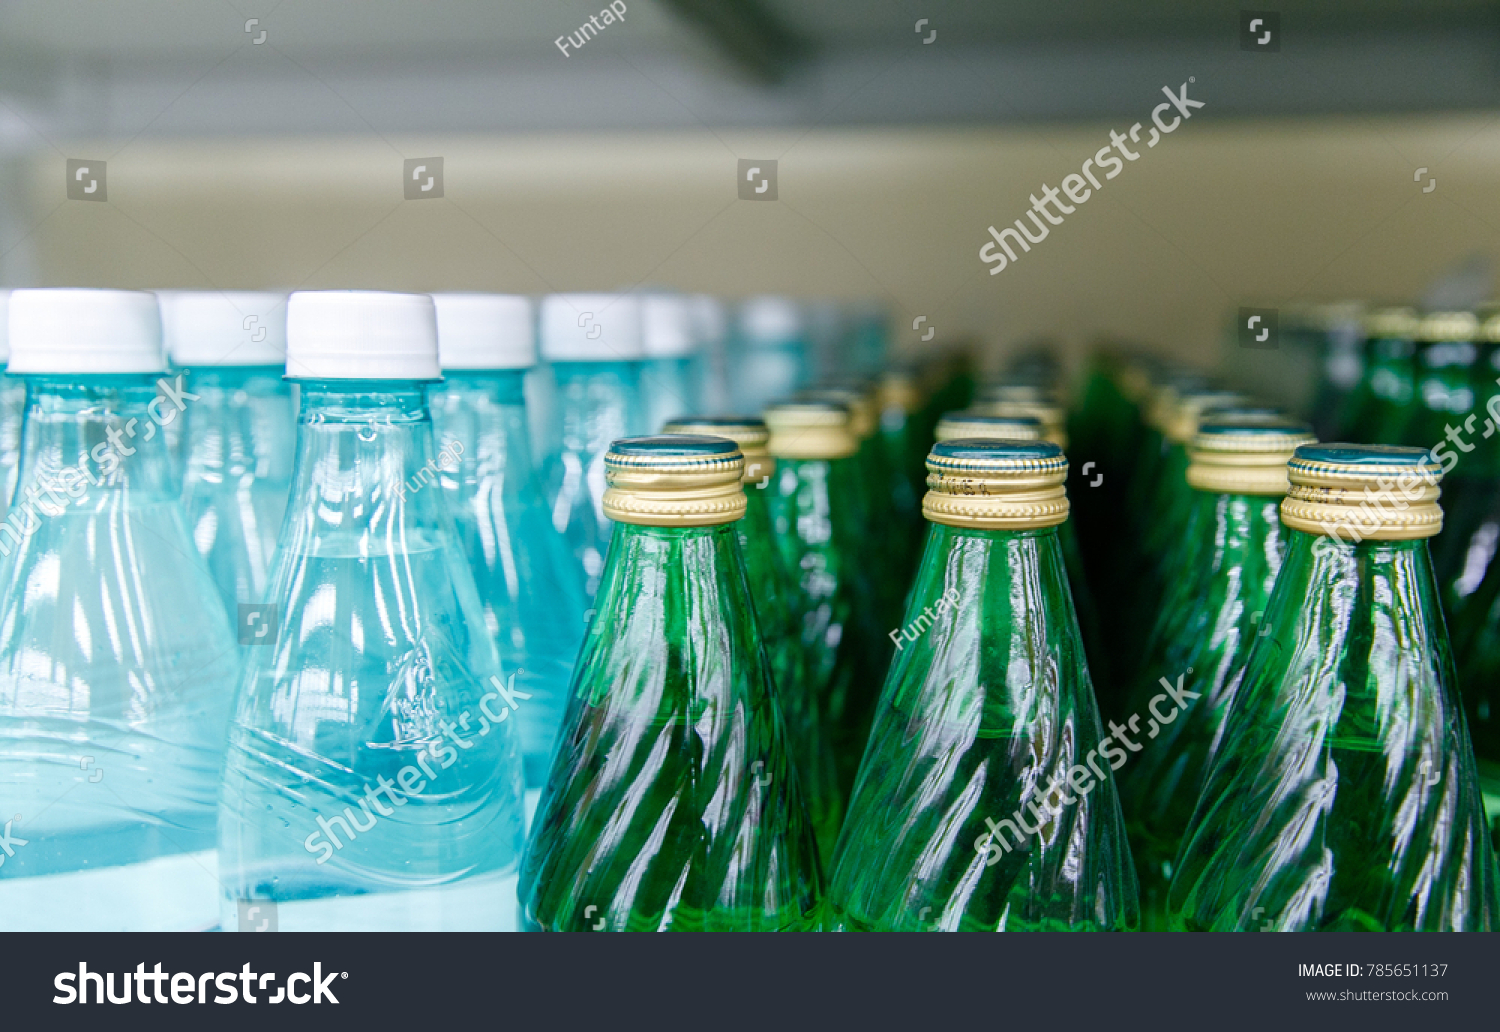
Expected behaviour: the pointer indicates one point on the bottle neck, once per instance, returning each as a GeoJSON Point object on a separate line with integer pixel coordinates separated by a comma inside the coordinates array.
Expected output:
{"type": "Point", "coordinates": [597, 403]}
{"type": "Point", "coordinates": [665, 574]}
{"type": "Point", "coordinates": [367, 470]}
{"type": "Point", "coordinates": [480, 417]}
{"type": "Point", "coordinates": [97, 437]}
{"type": "Point", "coordinates": [239, 425]}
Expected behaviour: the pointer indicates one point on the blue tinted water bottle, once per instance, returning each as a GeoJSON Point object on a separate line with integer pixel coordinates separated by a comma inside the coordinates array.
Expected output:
{"type": "Point", "coordinates": [768, 362]}
{"type": "Point", "coordinates": [117, 659]}
{"type": "Point", "coordinates": [12, 403]}
{"type": "Point", "coordinates": [529, 586]}
{"type": "Point", "coordinates": [670, 374]}
{"type": "Point", "coordinates": [373, 780]}
{"type": "Point", "coordinates": [593, 344]}
{"type": "Point", "coordinates": [238, 439]}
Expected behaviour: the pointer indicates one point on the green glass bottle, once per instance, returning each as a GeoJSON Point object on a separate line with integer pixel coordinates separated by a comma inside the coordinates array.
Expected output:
{"type": "Point", "coordinates": [984, 801]}
{"type": "Point", "coordinates": [1233, 550]}
{"type": "Point", "coordinates": [1479, 683]}
{"type": "Point", "coordinates": [771, 583]}
{"type": "Point", "coordinates": [1381, 401]}
{"type": "Point", "coordinates": [1344, 796]}
{"type": "Point", "coordinates": [814, 499]}
{"type": "Point", "coordinates": [1450, 417]}
{"type": "Point", "coordinates": [672, 804]}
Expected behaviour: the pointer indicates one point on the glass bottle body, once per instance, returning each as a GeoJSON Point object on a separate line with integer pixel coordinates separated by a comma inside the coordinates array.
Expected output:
{"type": "Point", "coordinates": [672, 804]}
{"type": "Point", "coordinates": [984, 800]}
{"type": "Point", "coordinates": [1343, 796]}
{"type": "Point", "coordinates": [1225, 585]}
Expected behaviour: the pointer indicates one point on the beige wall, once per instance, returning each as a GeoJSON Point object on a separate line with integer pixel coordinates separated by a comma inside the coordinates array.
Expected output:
{"type": "Point", "coordinates": [1216, 215]}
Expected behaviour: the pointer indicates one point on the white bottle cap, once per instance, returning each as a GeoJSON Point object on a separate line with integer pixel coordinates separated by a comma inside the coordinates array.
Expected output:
{"type": "Point", "coordinates": [770, 321]}
{"type": "Point", "coordinates": [76, 330]}
{"type": "Point", "coordinates": [667, 329]}
{"type": "Point", "coordinates": [591, 328]}
{"type": "Point", "coordinates": [485, 331]}
{"type": "Point", "coordinates": [228, 328]}
{"type": "Point", "coordinates": [4, 325]}
{"type": "Point", "coordinates": [361, 335]}
{"type": "Point", "coordinates": [708, 318]}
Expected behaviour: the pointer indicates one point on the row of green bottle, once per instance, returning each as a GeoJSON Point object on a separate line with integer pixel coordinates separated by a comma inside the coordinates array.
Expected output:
{"type": "Point", "coordinates": [1289, 747]}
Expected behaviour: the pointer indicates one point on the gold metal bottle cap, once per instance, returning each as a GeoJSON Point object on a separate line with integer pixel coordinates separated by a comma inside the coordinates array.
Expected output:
{"type": "Point", "coordinates": [898, 389]}
{"type": "Point", "coordinates": [1448, 326]}
{"type": "Point", "coordinates": [1356, 492]}
{"type": "Point", "coordinates": [810, 430]}
{"type": "Point", "coordinates": [863, 417]}
{"type": "Point", "coordinates": [970, 424]}
{"type": "Point", "coordinates": [1052, 417]}
{"type": "Point", "coordinates": [996, 485]}
{"type": "Point", "coordinates": [1396, 323]}
{"type": "Point", "coordinates": [674, 480]}
{"type": "Point", "coordinates": [1181, 422]}
{"type": "Point", "coordinates": [750, 433]}
{"type": "Point", "coordinates": [1244, 456]}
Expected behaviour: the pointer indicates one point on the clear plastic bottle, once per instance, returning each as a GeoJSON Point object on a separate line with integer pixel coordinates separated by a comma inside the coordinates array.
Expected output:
{"type": "Point", "coordinates": [670, 375]}
{"type": "Point", "coordinates": [117, 659]}
{"type": "Point", "coordinates": [12, 404]}
{"type": "Point", "coordinates": [769, 361]}
{"type": "Point", "coordinates": [593, 344]}
{"type": "Point", "coordinates": [529, 586]}
{"type": "Point", "coordinates": [238, 439]}
{"type": "Point", "coordinates": [374, 775]}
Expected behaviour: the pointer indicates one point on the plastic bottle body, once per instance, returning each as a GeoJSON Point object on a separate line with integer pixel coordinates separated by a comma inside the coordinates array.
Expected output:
{"type": "Point", "coordinates": [238, 445]}
{"type": "Point", "coordinates": [374, 777]}
{"type": "Point", "coordinates": [529, 586]}
{"type": "Point", "coordinates": [117, 664]}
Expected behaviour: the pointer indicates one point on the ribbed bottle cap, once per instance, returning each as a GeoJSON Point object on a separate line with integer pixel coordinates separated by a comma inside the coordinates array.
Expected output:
{"type": "Point", "coordinates": [1363, 491]}
{"type": "Point", "coordinates": [1448, 326]}
{"type": "Point", "coordinates": [224, 328]}
{"type": "Point", "coordinates": [769, 321]}
{"type": "Point", "coordinates": [810, 430]}
{"type": "Point", "coordinates": [1052, 417]}
{"type": "Point", "coordinates": [674, 480]}
{"type": "Point", "coordinates": [996, 485]}
{"type": "Point", "coordinates": [75, 330]}
{"type": "Point", "coordinates": [967, 425]}
{"type": "Point", "coordinates": [667, 326]}
{"type": "Point", "coordinates": [1182, 422]}
{"type": "Point", "coordinates": [485, 331]}
{"type": "Point", "coordinates": [1244, 455]}
{"type": "Point", "coordinates": [591, 328]}
{"type": "Point", "coordinates": [1395, 323]}
{"type": "Point", "coordinates": [751, 434]}
{"type": "Point", "coordinates": [361, 335]}
{"type": "Point", "coordinates": [863, 418]}
{"type": "Point", "coordinates": [898, 389]}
